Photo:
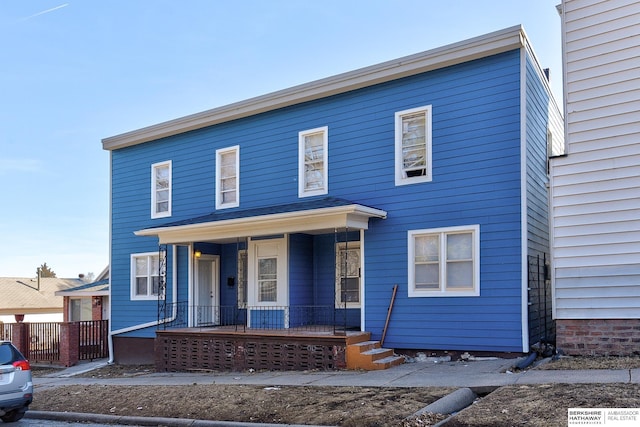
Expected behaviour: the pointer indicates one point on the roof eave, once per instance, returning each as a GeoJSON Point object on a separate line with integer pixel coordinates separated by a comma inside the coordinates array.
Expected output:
{"type": "Point", "coordinates": [467, 50]}
{"type": "Point", "coordinates": [82, 293]}
{"type": "Point", "coordinates": [350, 216]}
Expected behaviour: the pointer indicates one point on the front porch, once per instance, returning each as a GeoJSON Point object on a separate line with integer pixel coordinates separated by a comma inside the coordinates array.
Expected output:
{"type": "Point", "coordinates": [220, 338]}
{"type": "Point", "coordinates": [225, 348]}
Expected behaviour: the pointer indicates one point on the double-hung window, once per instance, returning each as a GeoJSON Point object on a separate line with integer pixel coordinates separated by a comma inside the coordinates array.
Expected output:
{"type": "Point", "coordinates": [313, 176]}
{"type": "Point", "coordinates": [268, 279]}
{"type": "Point", "coordinates": [413, 146]}
{"type": "Point", "coordinates": [228, 177]}
{"type": "Point", "coordinates": [145, 276]}
{"type": "Point", "coordinates": [348, 267]}
{"type": "Point", "coordinates": [444, 261]}
{"type": "Point", "coordinates": [161, 190]}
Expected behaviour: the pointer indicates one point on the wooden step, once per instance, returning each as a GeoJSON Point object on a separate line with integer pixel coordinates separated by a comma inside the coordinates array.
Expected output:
{"type": "Point", "coordinates": [368, 355]}
{"type": "Point", "coordinates": [388, 362]}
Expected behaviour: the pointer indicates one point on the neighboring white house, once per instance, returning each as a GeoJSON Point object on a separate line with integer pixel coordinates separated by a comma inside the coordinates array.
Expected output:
{"type": "Point", "coordinates": [596, 186]}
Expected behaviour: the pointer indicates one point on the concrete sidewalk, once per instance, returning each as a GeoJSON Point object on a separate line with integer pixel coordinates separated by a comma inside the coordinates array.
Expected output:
{"type": "Point", "coordinates": [481, 375]}
{"type": "Point", "coordinates": [489, 373]}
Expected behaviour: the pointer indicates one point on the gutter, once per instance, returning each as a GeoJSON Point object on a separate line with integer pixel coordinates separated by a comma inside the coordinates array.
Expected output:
{"type": "Point", "coordinates": [174, 314]}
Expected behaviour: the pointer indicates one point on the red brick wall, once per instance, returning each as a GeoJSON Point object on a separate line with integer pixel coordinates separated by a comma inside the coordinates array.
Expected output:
{"type": "Point", "coordinates": [598, 337]}
{"type": "Point", "coordinates": [69, 344]}
{"type": "Point", "coordinates": [96, 309]}
{"type": "Point", "coordinates": [65, 309]}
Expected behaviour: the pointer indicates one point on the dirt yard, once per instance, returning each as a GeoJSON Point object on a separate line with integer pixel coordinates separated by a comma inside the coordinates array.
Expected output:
{"type": "Point", "coordinates": [535, 405]}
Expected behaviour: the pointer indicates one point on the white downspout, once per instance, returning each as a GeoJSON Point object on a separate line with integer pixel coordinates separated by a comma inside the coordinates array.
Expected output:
{"type": "Point", "coordinates": [174, 314]}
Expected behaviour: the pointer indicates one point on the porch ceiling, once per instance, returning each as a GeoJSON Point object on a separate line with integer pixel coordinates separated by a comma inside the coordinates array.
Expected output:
{"type": "Point", "coordinates": [312, 217]}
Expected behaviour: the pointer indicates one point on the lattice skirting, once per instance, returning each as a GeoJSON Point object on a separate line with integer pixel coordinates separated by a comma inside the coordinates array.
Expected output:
{"type": "Point", "coordinates": [194, 351]}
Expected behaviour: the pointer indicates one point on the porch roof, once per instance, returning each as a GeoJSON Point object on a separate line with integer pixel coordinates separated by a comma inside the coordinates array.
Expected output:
{"type": "Point", "coordinates": [316, 216]}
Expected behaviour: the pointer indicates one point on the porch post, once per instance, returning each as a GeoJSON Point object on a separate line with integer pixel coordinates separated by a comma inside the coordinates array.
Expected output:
{"type": "Point", "coordinates": [337, 265]}
{"type": "Point", "coordinates": [162, 284]}
{"type": "Point", "coordinates": [345, 274]}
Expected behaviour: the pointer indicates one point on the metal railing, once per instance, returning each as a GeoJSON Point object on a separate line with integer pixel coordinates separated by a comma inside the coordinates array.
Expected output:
{"type": "Point", "coordinates": [292, 317]}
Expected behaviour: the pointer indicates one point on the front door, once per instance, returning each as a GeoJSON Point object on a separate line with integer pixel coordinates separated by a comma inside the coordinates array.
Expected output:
{"type": "Point", "coordinates": [207, 310]}
{"type": "Point", "coordinates": [268, 295]}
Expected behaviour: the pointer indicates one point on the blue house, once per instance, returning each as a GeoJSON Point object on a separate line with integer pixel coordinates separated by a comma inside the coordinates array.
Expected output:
{"type": "Point", "coordinates": [401, 202]}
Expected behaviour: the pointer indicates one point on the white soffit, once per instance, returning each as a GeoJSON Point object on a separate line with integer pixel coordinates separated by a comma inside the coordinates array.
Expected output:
{"type": "Point", "coordinates": [467, 50]}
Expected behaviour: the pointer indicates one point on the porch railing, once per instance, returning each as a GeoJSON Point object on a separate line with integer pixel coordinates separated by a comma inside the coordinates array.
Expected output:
{"type": "Point", "coordinates": [292, 317]}
{"type": "Point", "coordinates": [93, 339]}
{"type": "Point", "coordinates": [6, 331]}
{"type": "Point", "coordinates": [44, 342]}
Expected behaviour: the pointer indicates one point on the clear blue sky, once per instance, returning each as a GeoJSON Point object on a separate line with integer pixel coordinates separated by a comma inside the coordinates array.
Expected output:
{"type": "Point", "coordinates": [75, 72]}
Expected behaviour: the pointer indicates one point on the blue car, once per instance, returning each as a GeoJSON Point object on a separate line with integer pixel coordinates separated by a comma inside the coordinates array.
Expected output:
{"type": "Point", "coordinates": [16, 386]}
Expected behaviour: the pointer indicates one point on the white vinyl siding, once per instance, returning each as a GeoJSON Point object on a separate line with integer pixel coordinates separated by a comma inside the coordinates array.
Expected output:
{"type": "Point", "coordinates": [444, 262]}
{"type": "Point", "coordinates": [596, 187]}
{"type": "Point", "coordinates": [413, 146]}
{"type": "Point", "coordinates": [313, 168]}
{"type": "Point", "coordinates": [161, 190]}
{"type": "Point", "coordinates": [145, 276]}
{"type": "Point", "coordinates": [228, 177]}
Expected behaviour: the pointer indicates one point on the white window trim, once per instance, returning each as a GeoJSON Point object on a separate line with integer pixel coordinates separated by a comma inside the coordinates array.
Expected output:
{"type": "Point", "coordinates": [400, 179]}
{"type": "Point", "coordinates": [154, 212]}
{"type": "Point", "coordinates": [325, 159]}
{"type": "Point", "coordinates": [132, 284]}
{"type": "Point", "coordinates": [219, 199]}
{"type": "Point", "coordinates": [443, 292]}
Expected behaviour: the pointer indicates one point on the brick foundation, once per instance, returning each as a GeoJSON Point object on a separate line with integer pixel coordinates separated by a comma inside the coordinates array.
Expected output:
{"type": "Point", "coordinates": [598, 337]}
{"type": "Point", "coordinates": [180, 351]}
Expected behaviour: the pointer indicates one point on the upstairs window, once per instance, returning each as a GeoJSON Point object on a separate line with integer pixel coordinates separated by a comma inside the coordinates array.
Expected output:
{"type": "Point", "coordinates": [145, 276]}
{"type": "Point", "coordinates": [161, 190]}
{"type": "Point", "coordinates": [413, 146]}
{"type": "Point", "coordinates": [444, 262]}
{"type": "Point", "coordinates": [227, 177]}
{"type": "Point", "coordinates": [313, 165]}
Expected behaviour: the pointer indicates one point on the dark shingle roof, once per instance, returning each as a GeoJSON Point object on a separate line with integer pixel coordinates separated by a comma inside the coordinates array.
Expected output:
{"type": "Point", "coordinates": [327, 202]}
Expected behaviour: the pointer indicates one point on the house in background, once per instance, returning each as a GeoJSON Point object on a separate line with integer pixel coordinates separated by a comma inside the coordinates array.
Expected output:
{"type": "Point", "coordinates": [89, 301]}
{"type": "Point", "coordinates": [237, 229]}
{"type": "Point", "coordinates": [33, 299]}
{"type": "Point", "coordinates": [596, 186]}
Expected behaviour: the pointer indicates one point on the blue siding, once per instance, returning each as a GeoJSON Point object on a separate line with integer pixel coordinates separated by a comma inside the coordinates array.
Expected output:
{"type": "Point", "coordinates": [301, 270]}
{"type": "Point", "coordinates": [538, 235]}
{"type": "Point", "coordinates": [537, 124]}
{"type": "Point", "coordinates": [476, 180]}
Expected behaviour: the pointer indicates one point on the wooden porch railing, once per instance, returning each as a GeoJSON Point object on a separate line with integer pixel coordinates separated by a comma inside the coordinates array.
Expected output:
{"type": "Point", "coordinates": [6, 331]}
{"type": "Point", "coordinates": [63, 343]}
